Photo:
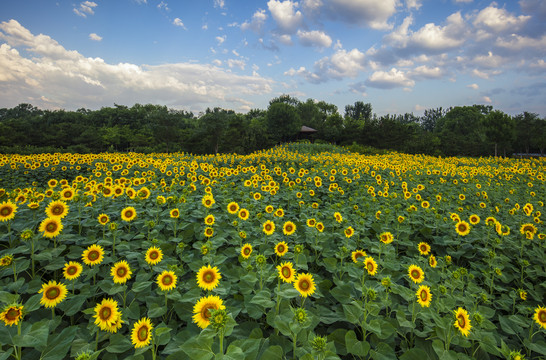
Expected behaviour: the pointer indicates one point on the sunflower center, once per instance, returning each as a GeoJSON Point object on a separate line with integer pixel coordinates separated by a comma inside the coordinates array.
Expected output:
{"type": "Point", "coordinates": [57, 210]}
{"type": "Point", "coordinates": [93, 255]}
{"type": "Point", "coordinates": [13, 314]}
{"type": "Point", "coordinates": [128, 213]}
{"type": "Point", "coordinates": [246, 251]}
{"type": "Point", "coordinates": [105, 313]}
{"type": "Point", "coordinates": [142, 333]}
{"type": "Point", "coordinates": [286, 272]}
{"type": "Point", "coordinates": [52, 293]}
{"type": "Point", "coordinates": [72, 270]}
{"type": "Point", "coordinates": [461, 321]}
{"type": "Point", "coordinates": [51, 227]}
{"type": "Point", "coordinates": [167, 280]}
{"type": "Point", "coordinates": [462, 228]}
{"type": "Point", "coordinates": [369, 266]}
{"type": "Point", "coordinates": [121, 271]}
{"type": "Point", "coordinates": [268, 227]}
{"type": "Point", "coordinates": [154, 255]}
{"type": "Point", "coordinates": [542, 316]}
{"type": "Point", "coordinates": [208, 277]}
{"type": "Point", "coordinates": [423, 295]}
{"type": "Point", "coordinates": [205, 313]}
{"type": "Point", "coordinates": [280, 248]}
{"type": "Point", "coordinates": [67, 194]}
{"type": "Point", "coordinates": [289, 228]}
{"type": "Point", "coordinates": [304, 284]}
{"type": "Point", "coordinates": [358, 255]}
{"type": "Point", "coordinates": [415, 274]}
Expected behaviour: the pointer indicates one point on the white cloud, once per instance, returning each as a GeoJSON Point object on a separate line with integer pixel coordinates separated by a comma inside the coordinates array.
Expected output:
{"type": "Point", "coordinates": [430, 37]}
{"type": "Point", "coordinates": [425, 72]}
{"type": "Point", "coordinates": [257, 22]}
{"type": "Point", "coordinates": [518, 43]}
{"type": "Point", "coordinates": [35, 66]}
{"type": "Point", "coordinates": [488, 61]}
{"type": "Point", "coordinates": [499, 19]}
{"type": "Point", "coordinates": [487, 99]}
{"type": "Point", "coordinates": [178, 22]}
{"type": "Point", "coordinates": [311, 6]}
{"type": "Point", "coordinates": [473, 86]}
{"type": "Point", "coordinates": [163, 5]}
{"type": "Point", "coordinates": [389, 80]}
{"type": "Point", "coordinates": [463, 1]}
{"type": "Point", "coordinates": [85, 8]}
{"type": "Point", "coordinates": [342, 64]}
{"type": "Point", "coordinates": [221, 39]}
{"type": "Point", "coordinates": [314, 38]}
{"type": "Point", "coordinates": [286, 16]}
{"type": "Point", "coordinates": [236, 63]}
{"type": "Point", "coordinates": [285, 39]}
{"type": "Point", "coordinates": [413, 4]}
{"type": "Point", "coordinates": [95, 37]}
{"type": "Point", "coordinates": [219, 3]}
{"type": "Point", "coordinates": [371, 13]}
{"type": "Point", "coordinates": [217, 62]}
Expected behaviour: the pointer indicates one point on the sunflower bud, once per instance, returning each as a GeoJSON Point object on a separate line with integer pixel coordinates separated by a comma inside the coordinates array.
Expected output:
{"type": "Point", "coordinates": [478, 318]}
{"type": "Point", "coordinates": [386, 282]}
{"type": "Point", "coordinates": [84, 356]}
{"type": "Point", "coordinates": [300, 315]}
{"type": "Point", "coordinates": [318, 343]}
{"type": "Point", "coordinates": [443, 289]}
{"type": "Point", "coordinates": [261, 260]}
{"type": "Point", "coordinates": [27, 234]}
{"type": "Point", "coordinates": [218, 319]}
{"type": "Point", "coordinates": [371, 294]}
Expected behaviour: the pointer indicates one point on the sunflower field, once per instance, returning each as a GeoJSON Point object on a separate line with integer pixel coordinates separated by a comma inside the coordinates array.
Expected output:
{"type": "Point", "coordinates": [297, 252]}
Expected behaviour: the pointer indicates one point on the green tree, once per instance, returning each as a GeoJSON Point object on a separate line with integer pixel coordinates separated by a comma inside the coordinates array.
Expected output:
{"type": "Point", "coordinates": [500, 129]}
{"type": "Point", "coordinates": [283, 121]}
{"type": "Point", "coordinates": [461, 131]}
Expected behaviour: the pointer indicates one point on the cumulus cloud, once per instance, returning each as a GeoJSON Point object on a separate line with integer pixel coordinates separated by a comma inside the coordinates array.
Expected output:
{"type": "Point", "coordinates": [473, 86]}
{"type": "Point", "coordinates": [219, 3]}
{"type": "Point", "coordinates": [370, 13]}
{"type": "Point", "coordinates": [314, 38]}
{"type": "Point", "coordinates": [236, 63]}
{"type": "Point", "coordinates": [85, 8]}
{"type": "Point", "coordinates": [426, 72]}
{"type": "Point", "coordinates": [221, 39]}
{"type": "Point", "coordinates": [36, 66]}
{"type": "Point", "coordinates": [256, 23]}
{"type": "Point", "coordinates": [499, 20]}
{"type": "Point", "coordinates": [95, 37]}
{"type": "Point", "coordinates": [178, 22]}
{"type": "Point", "coordinates": [286, 16]}
{"type": "Point", "coordinates": [342, 64]}
{"type": "Point", "coordinates": [389, 79]}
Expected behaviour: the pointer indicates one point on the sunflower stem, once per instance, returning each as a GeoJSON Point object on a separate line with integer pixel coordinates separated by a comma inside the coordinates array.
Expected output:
{"type": "Point", "coordinates": [97, 340]}
{"type": "Point", "coordinates": [53, 313]}
{"type": "Point", "coordinates": [32, 256]}
{"type": "Point", "coordinates": [14, 271]}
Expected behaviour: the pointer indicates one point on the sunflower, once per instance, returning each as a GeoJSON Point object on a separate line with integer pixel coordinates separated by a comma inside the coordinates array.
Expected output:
{"type": "Point", "coordinates": [474, 219]}
{"type": "Point", "coordinates": [246, 251]}
{"type": "Point", "coordinates": [416, 274]}
{"type": "Point", "coordinates": [305, 284]}
{"type": "Point", "coordinates": [202, 308]}
{"type": "Point", "coordinates": [349, 232]}
{"type": "Point", "coordinates": [103, 219]}
{"type": "Point", "coordinates": [116, 325]}
{"type": "Point", "coordinates": [121, 272]}
{"type": "Point", "coordinates": [6, 260]}
{"type": "Point", "coordinates": [12, 315]}
{"type": "Point", "coordinates": [154, 255]}
{"type": "Point", "coordinates": [424, 248]}
{"type": "Point", "coordinates": [386, 237]}
{"type": "Point", "coordinates": [338, 217]}
{"type": "Point", "coordinates": [319, 227]}
{"type": "Point", "coordinates": [68, 194]}
{"type": "Point", "coordinates": [167, 280]}
{"type": "Point", "coordinates": [208, 232]}
{"type": "Point", "coordinates": [207, 201]}
{"type": "Point", "coordinates": [311, 222]}
{"type": "Point", "coordinates": [52, 183]}
{"type": "Point", "coordinates": [279, 212]}
{"type": "Point", "coordinates": [269, 227]}
{"type": "Point", "coordinates": [525, 228]}
{"type": "Point", "coordinates": [93, 255]}
{"type": "Point", "coordinates": [462, 228]}
{"type": "Point", "coordinates": [490, 220]}
{"type": "Point", "coordinates": [143, 193]}
{"type": "Point", "coordinates": [57, 209]}
{"type": "Point", "coordinates": [141, 335]}
{"type": "Point", "coordinates": [424, 296]}
{"type": "Point", "coordinates": [232, 207]}
{"type": "Point", "coordinates": [128, 214]}
{"type": "Point", "coordinates": [281, 248]}
{"type": "Point", "coordinates": [462, 321]}
{"type": "Point", "coordinates": [289, 228]}
{"type": "Point", "coordinates": [269, 209]}
{"type": "Point", "coordinates": [174, 213]}
{"type": "Point", "coordinates": [425, 204]}
{"type": "Point", "coordinates": [540, 316]}
{"type": "Point", "coordinates": [51, 227]}
{"type": "Point", "coordinates": [106, 313]}
{"type": "Point", "coordinates": [432, 261]}
{"type": "Point", "coordinates": [286, 272]}
{"type": "Point", "coordinates": [72, 270]}
{"type": "Point", "coordinates": [243, 214]}
{"type": "Point", "coordinates": [370, 265]}
{"type": "Point", "coordinates": [208, 277]}
{"type": "Point", "coordinates": [52, 293]}
{"type": "Point", "coordinates": [209, 219]}
{"type": "Point", "coordinates": [357, 254]}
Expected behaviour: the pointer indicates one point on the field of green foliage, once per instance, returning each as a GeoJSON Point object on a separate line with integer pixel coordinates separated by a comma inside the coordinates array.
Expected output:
{"type": "Point", "coordinates": [298, 252]}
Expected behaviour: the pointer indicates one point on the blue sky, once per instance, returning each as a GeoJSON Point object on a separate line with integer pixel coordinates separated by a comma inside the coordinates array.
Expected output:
{"type": "Point", "coordinates": [399, 55]}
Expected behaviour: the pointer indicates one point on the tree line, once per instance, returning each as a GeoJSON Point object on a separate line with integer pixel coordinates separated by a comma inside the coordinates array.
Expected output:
{"type": "Point", "coordinates": [476, 130]}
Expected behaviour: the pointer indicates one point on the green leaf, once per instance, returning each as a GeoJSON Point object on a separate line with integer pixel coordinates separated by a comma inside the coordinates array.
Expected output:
{"type": "Point", "coordinates": [72, 305]}
{"type": "Point", "coordinates": [59, 345]}
{"type": "Point", "coordinates": [353, 312]}
{"type": "Point", "coordinates": [272, 353]}
{"type": "Point", "coordinates": [199, 347]}
{"type": "Point", "coordinates": [355, 346]}
{"type": "Point", "coordinates": [156, 310]}
{"type": "Point", "coordinates": [118, 344]}
{"type": "Point", "coordinates": [383, 352]}
{"type": "Point", "coordinates": [263, 299]}
{"type": "Point", "coordinates": [33, 303]}
{"type": "Point", "coordinates": [282, 325]}
{"type": "Point", "coordinates": [414, 354]}
{"type": "Point", "coordinates": [141, 286]}
{"type": "Point", "coordinates": [36, 337]}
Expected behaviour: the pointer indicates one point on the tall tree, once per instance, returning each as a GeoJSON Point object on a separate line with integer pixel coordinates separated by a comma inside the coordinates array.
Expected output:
{"type": "Point", "coordinates": [500, 129]}
{"type": "Point", "coordinates": [283, 121]}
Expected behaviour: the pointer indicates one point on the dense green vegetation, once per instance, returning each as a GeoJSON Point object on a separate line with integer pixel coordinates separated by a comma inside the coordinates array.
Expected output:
{"type": "Point", "coordinates": [476, 130]}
